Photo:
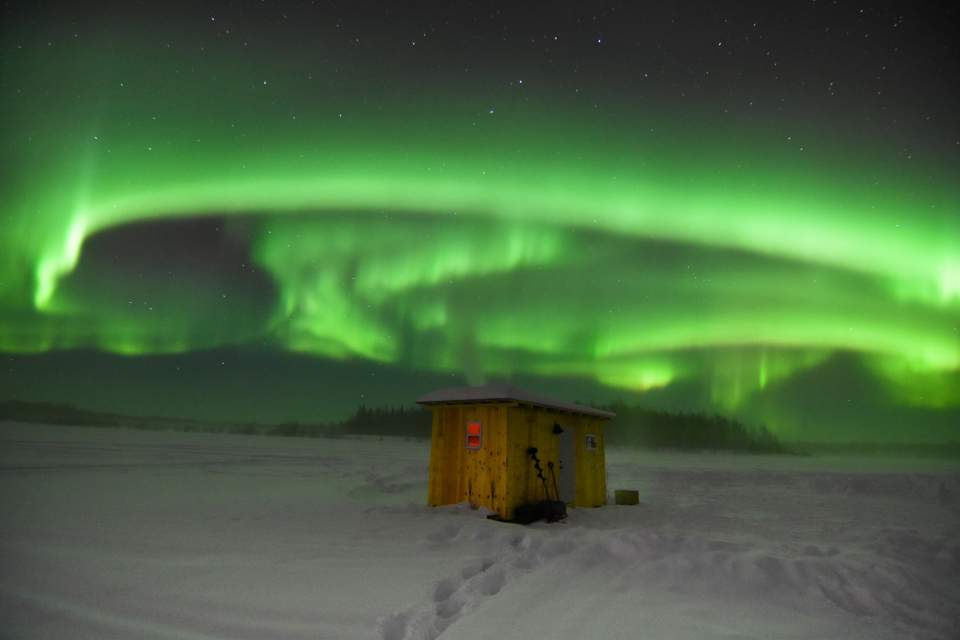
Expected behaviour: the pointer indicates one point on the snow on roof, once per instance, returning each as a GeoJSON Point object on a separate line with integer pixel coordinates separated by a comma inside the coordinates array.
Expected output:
{"type": "Point", "coordinates": [505, 392]}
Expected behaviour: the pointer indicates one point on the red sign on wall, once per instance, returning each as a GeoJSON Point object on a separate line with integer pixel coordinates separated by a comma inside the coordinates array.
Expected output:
{"type": "Point", "coordinates": [474, 433]}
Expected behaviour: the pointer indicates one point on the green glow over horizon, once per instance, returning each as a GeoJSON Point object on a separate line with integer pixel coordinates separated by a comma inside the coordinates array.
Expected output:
{"type": "Point", "coordinates": [640, 252]}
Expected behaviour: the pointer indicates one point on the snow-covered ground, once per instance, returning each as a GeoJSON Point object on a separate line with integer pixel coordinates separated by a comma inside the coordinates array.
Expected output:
{"type": "Point", "coordinates": [126, 534]}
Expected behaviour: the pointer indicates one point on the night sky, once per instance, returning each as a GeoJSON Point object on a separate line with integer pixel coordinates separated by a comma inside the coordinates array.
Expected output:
{"type": "Point", "coordinates": [272, 211]}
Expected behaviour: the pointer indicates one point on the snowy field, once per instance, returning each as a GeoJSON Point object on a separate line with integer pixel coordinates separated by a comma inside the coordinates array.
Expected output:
{"type": "Point", "coordinates": [126, 534]}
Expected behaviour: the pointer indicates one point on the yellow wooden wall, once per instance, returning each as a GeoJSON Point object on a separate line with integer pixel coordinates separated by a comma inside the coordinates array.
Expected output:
{"type": "Point", "coordinates": [533, 426]}
{"type": "Point", "coordinates": [458, 474]}
{"type": "Point", "coordinates": [500, 476]}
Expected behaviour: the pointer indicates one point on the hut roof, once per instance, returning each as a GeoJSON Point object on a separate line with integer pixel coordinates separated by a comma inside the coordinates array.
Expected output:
{"type": "Point", "coordinates": [505, 392]}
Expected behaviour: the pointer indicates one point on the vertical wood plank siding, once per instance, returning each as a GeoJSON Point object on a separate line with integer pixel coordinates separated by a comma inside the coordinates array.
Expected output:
{"type": "Point", "coordinates": [461, 475]}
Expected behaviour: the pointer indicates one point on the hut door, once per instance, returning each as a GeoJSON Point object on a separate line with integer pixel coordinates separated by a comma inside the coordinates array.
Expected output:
{"type": "Point", "coordinates": [568, 465]}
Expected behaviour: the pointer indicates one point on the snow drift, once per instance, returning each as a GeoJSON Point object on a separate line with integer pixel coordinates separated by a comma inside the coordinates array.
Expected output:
{"type": "Point", "coordinates": [124, 534]}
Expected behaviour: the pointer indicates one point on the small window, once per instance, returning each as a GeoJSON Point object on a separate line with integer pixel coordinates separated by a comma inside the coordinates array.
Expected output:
{"type": "Point", "coordinates": [474, 433]}
{"type": "Point", "coordinates": [591, 442]}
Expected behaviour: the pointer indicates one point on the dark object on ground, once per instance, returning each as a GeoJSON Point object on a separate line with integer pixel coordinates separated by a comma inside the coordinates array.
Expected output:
{"type": "Point", "coordinates": [528, 513]}
{"type": "Point", "coordinates": [554, 510]}
{"type": "Point", "coordinates": [549, 510]}
{"type": "Point", "coordinates": [626, 496]}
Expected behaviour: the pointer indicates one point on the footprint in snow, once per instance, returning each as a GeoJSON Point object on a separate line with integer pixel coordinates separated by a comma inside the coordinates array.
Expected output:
{"type": "Point", "coordinates": [394, 627]}
{"type": "Point", "coordinates": [492, 581]}
{"type": "Point", "coordinates": [444, 589]}
{"type": "Point", "coordinates": [455, 596]}
{"type": "Point", "coordinates": [447, 533]}
{"type": "Point", "coordinates": [474, 568]}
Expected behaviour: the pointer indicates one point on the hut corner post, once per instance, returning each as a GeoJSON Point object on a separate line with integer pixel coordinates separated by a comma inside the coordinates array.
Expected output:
{"type": "Point", "coordinates": [435, 471]}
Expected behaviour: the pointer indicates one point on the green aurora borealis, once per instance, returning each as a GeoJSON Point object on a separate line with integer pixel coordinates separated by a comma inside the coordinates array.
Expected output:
{"type": "Point", "coordinates": [445, 232]}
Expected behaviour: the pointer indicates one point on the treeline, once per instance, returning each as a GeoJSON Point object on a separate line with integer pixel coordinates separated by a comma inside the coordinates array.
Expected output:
{"type": "Point", "coordinates": [648, 428]}
{"type": "Point", "coordinates": [51, 413]}
{"type": "Point", "coordinates": [64, 414]}
{"type": "Point", "coordinates": [406, 422]}
{"type": "Point", "coordinates": [388, 421]}
{"type": "Point", "coordinates": [633, 426]}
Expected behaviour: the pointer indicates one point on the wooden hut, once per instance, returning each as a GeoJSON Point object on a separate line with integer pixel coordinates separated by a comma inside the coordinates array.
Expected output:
{"type": "Point", "coordinates": [481, 442]}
